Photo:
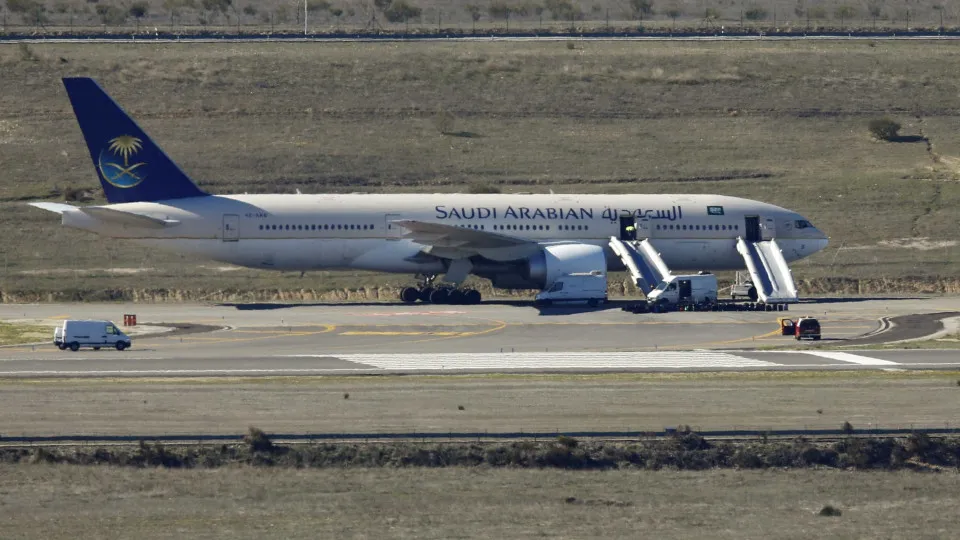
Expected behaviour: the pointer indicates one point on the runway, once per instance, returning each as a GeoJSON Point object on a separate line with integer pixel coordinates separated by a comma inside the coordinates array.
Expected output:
{"type": "Point", "coordinates": [283, 340]}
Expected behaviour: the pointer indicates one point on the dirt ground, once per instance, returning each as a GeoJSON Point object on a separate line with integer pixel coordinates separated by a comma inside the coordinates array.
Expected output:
{"type": "Point", "coordinates": [41, 501]}
{"type": "Point", "coordinates": [647, 402]}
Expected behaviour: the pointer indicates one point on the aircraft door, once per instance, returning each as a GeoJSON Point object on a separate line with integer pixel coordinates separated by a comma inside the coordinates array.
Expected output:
{"type": "Point", "coordinates": [628, 228]}
{"type": "Point", "coordinates": [685, 289]}
{"type": "Point", "coordinates": [752, 229]}
{"type": "Point", "coordinates": [768, 229]}
{"type": "Point", "coordinates": [643, 228]}
{"type": "Point", "coordinates": [392, 229]}
{"type": "Point", "coordinates": [231, 228]}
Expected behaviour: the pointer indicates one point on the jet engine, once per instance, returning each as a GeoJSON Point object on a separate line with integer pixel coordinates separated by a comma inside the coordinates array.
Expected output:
{"type": "Point", "coordinates": [556, 260]}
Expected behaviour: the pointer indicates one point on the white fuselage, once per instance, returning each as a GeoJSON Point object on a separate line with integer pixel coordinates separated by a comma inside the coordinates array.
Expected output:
{"type": "Point", "coordinates": [310, 232]}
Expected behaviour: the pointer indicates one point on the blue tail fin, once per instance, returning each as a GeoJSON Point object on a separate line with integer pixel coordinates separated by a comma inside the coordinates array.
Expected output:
{"type": "Point", "coordinates": [130, 165]}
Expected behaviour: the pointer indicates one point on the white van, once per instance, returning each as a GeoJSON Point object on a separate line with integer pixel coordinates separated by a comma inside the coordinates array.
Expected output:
{"type": "Point", "coordinates": [589, 287]}
{"type": "Point", "coordinates": [75, 334]}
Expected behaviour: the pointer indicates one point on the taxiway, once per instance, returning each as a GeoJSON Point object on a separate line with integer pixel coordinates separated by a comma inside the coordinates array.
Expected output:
{"type": "Point", "coordinates": [272, 339]}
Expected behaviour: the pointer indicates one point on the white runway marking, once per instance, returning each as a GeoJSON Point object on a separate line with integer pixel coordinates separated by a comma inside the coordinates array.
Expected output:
{"type": "Point", "coordinates": [852, 358]}
{"type": "Point", "coordinates": [571, 360]}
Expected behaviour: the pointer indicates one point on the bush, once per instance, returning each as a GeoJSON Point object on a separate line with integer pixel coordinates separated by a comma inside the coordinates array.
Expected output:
{"type": "Point", "coordinates": [569, 442]}
{"type": "Point", "coordinates": [755, 14]}
{"type": "Point", "coordinates": [401, 11]}
{"type": "Point", "coordinates": [258, 440]}
{"type": "Point", "coordinates": [830, 511]}
{"type": "Point", "coordinates": [884, 129]}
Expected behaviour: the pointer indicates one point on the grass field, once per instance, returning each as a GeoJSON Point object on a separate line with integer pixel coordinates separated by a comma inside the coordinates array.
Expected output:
{"type": "Point", "coordinates": [12, 334]}
{"type": "Point", "coordinates": [546, 404]}
{"type": "Point", "coordinates": [40, 501]}
{"type": "Point", "coordinates": [779, 122]}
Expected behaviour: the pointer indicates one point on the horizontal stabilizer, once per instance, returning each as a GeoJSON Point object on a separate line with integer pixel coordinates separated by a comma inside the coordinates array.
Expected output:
{"type": "Point", "coordinates": [58, 208]}
{"type": "Point", "coordinates": [127, 218]}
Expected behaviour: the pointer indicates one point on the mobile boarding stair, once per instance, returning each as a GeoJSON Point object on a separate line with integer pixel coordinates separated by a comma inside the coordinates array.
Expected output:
{"type": "Point", "coordinates": [643, 261]}
{"type": "Point", "coordinates": [771, 276]}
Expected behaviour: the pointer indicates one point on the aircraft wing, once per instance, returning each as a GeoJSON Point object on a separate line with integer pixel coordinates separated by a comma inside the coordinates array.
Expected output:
{"type": "Point", "coordinates": [458, 242]}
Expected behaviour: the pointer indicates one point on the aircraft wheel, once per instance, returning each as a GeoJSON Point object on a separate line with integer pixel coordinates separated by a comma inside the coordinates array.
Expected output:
{"type": "Point", "coordinates": [472, 296]}
{"type": "Point", "coordinates": [752, 293]}
{"type": "Point", "coordinates": [121, 345]}
{"type": "Point", "coordinates": [456, 297]}
{"type": "Point", "coordinates": [439, 296]}
{"type": "Point", "coordinates": [96, 348]}
{"type": "Point", "coordinates": [74, 346]}
{"type": "Point", "coordinates": [425, 294]}
{"type": "Point", "coordinates": [62, 346]}
{"type": "Point", "coordinates": [409, 295]}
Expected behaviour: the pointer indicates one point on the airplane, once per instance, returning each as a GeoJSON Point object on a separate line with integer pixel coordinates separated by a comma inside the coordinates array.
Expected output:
{"type": "Point", "coordinates": [517, 241]}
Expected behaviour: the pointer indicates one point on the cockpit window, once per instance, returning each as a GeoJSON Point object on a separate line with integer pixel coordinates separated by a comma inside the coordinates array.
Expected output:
{"type": "Point", "coordinates": [803, 224]}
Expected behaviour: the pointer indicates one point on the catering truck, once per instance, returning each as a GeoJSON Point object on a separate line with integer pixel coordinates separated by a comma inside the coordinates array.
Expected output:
{"type": "Point", "coordinates": [693, 291]}
{"type": "Point", "coordinates": [73, 334]}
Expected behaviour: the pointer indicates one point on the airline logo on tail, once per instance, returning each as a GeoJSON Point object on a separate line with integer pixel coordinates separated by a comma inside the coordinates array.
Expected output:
{"type": "Point", "coordinates": [115, 162]}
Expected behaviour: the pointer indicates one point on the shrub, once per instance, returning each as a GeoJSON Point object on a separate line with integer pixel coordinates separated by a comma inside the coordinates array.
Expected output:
{"type": "Point", "coordinates": [830, 511]}
{"type": "Point", "coordinates": [884, 129]}
{"type": "Point", "coordinates": [847, 428]}
{"type": "Point", "coordinates": [401, 12]}
{"type": "Point", "coordinates": [258, 440]}
{"type": "Point", "coordinates": [755, 14]}
{"type": "Point", "coordinates": [569, 442]}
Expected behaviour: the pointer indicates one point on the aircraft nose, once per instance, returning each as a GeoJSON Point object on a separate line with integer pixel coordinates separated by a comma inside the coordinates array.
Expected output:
{"type": "Point", "coordinates": [820, 244]}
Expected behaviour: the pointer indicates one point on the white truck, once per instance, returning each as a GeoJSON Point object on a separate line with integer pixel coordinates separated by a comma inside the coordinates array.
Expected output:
{"type": "Point", "coordinates": [589, 287]}
{"type": "Point", "coordinates": [73, 334]}
{"type": "Point", "coordinates": [687, 290]}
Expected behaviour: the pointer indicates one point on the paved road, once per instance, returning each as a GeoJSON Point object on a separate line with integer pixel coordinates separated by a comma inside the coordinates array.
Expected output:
{"type": "Point", "coordinates": [272, 339]}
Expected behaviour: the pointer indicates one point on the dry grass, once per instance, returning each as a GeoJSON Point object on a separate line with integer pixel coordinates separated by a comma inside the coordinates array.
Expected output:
{"type": "Point", "coordinates": [780, 122]}
{"type": "Point", "coordinates": [12, 334]}
{"type": "Point", "coordinates": [286, 15]}
{"type": "Point", "coordinates": [42, 501]}
{"type": "Point", "coordinates": [491, 403]}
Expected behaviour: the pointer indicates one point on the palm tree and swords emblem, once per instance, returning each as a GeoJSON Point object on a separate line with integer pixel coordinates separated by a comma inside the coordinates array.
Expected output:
{"type": "Point", "coordinates": [122, 174]}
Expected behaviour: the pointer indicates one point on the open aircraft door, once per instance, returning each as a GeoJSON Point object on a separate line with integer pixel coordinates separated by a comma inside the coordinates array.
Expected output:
{"type": "Point", "coordinates": [768, 228]}
{"type": "Point", "coordinates": [643, 227]}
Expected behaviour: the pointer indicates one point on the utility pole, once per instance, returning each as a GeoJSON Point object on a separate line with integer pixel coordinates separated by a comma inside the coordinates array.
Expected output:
{"type": "Point", "coordinates": [304, 17]}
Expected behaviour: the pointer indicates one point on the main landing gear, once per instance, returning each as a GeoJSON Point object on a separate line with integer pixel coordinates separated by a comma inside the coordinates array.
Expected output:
{"type": "Point", "coordinates": [428, 294]}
